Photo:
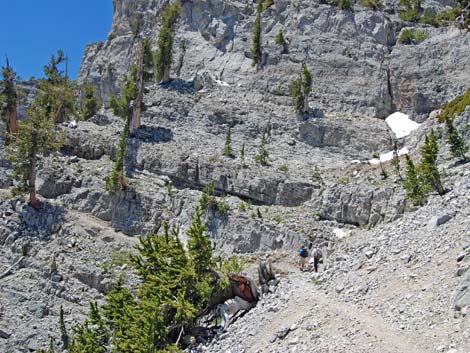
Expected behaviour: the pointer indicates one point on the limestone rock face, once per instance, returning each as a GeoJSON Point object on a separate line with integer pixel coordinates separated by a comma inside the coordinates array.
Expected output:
{"type": "Point", "coordinates": [358, 67]}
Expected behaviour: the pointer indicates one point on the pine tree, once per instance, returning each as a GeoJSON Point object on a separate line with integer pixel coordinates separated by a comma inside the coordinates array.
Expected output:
{"type": "Point", "coordinates": [199, 244]}
{"type": "Point", "coordinates": [90, 103]}
{"type": "Point", "coordinates": [9, 100]}
{"type": "Point", "coordinates": [64, 337]}
{"type": "Point", "coordinates": [124, 109]}
{"type": "Point", "coordinates": [147, 59]}
{"type": "Point", "coordinates": [91, 337]}
{"type": "Point", "coordinates": [57, 91]}
{"type": "Point", "coordinates": [228, 144]}
{"type": "Point", "coordinates": [164, 55]}
{"type": "Point", "coordinates": [51, 345]}
{"type": "Point", "coordinates": [457, 144]}
{"type": "Point", "coordinates": [242, 155]}
{"type": "Point", "coordinates": [413, 183]}
{"type": "Point", "coordinates": [256, 50]}
{"type": "Point", "coordinates": [262, 156]}
{"type": "Point", "coordinates": [36, 136]}
{"type": "Point", "coordinates": [181, 58]}
{"type": "Point", "coordinates": [301, 89]}
{"type": "Point", "coordinates": [428, 167]}
{"type": "Point", "coordinates": [280, 40]}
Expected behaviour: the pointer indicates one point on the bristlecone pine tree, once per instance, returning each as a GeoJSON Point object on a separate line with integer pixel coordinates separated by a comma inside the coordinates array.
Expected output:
{"type": "Point", "coordinates": [174, 288]}
{"type": "Point", "coordinates": [428, 167]}
{"type": "Point", "coordinates": [90, 103]}
{"type": "Point", "coordinates": [164, 56]}
{"type": "Point", "coordinates": [280, 40]}
{"type": "Point", "coordinates": [228, 144]}
{"type": "Point", "coordinates": [9, 99]}
{"type": "Point", "coordinates": [64, 337]}
{"type": "Point", "coordinates": [262, 156]}
{"type": "Point", "coordinates": [36, 136]}
{"type": "Point", "coordinates": [256, 50]}
{"type": "Point", "coordinates": [301, 89]}
{"type": "Point", "coordinates": [58, 98]}
{"type": "Point", "coordinates": [457, 143]}
{"type": "Point", "coordinates": [413, 183]}
{"type": "Point", "coordinates": [122, 108]}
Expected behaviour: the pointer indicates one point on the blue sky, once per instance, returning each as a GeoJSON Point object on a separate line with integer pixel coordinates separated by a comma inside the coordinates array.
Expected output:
{"type": "Point", "coordinates": [32, 30]}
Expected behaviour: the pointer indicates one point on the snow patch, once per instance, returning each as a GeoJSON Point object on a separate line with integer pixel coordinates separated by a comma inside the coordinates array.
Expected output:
{"type": "Point", "coordinates": [222, 83]}
{"type": "Point", "coordinates": [385, 157]}
{"type": "Point", "coordinates": [401, 124]}
{"type": "Point", "coordinates": [340, 234]}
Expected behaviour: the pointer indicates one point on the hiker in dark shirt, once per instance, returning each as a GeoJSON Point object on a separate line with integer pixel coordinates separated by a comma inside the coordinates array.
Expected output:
{"type": "Point", "coordinates": [303, 255]}
{"type": "Point", "coordinates": [317, 257]}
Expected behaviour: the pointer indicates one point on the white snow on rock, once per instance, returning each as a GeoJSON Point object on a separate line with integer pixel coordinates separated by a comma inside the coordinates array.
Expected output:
{"type": "Point", "coordinates": [401, 124]}
{"type": "Point", "coordinates": [388, 156]}
{"type": "Point", "coordinates": [222, 83]}
{"type": "Point", "coordinates": [340, 234]}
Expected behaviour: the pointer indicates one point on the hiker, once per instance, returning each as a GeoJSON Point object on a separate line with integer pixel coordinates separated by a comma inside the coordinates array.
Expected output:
{"type": "Point", "coordinates": [303, 254]}
{"type": "Point", "coordinates": [317, 258]}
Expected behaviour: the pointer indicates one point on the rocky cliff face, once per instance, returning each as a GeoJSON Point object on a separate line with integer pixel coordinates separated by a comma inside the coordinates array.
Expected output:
{"type": "Point", "coordinates": [317, 186]}
{"type": "Point", "coordinates": [357, 64]}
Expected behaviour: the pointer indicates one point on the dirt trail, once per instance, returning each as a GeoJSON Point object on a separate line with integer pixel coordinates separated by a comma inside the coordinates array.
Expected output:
{"type": "Point", "coordinates": [308, 300]}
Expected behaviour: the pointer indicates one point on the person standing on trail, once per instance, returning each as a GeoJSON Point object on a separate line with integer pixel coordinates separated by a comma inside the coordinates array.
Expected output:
{"type": "Point", "coordinates": [303, 255]}
{"type": "Point", "coordinates": [317, 257]}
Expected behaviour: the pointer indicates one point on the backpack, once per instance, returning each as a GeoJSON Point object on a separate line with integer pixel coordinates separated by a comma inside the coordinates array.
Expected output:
{"type": "Point", "coordinates": [303, 252]}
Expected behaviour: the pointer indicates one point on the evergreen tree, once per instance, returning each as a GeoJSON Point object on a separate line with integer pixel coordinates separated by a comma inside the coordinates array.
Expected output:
{"type": "Point", "coordinates": [58, 93]}
{"type": "Point", "coordinates": [256, 50]}
{"type": "Point", "coordinates": [428, 167]}
{"type": "Point", "coordinates": [181, 57]}
{"type": "Point", "coordinates": [64, 337]}
{"type": "Point", "coordinates": [457, 144]}
{"type": "Point", "coordinates": [280, 40]}
{"type": "Point", "coordinates": [51, 345]}
{"type": "Point", "coordinates": [164, 55]}
{"type": "Point", "coordinates": [92, 336]}
{"type": "Point", "coordinates": [9, 100]}
{"type": "Point", "coordinates": [262, 156]}
{"type": "Point", "coordinates": [242, 155]}
{"type": "Point", "coordinates": [413, 183]}
{"type": "Point", "coordinates": [199, 244]}
{"type": "Point", "coordinates": [123, 108]}
{"type": "Point", "coordinates": [90, 103]}
{"type": "Point", "coordinates": [36, 136]}
{"type": "Point", "coordinates": [147, 59]}
{"type": "Point", "coordinates": [228, 144]}
{"type": "Point", "coordinates": [301, 89]}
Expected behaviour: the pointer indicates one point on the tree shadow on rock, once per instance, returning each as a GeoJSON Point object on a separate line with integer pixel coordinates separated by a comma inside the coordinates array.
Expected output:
{"type": "Point", "coordinates": [45, 220]}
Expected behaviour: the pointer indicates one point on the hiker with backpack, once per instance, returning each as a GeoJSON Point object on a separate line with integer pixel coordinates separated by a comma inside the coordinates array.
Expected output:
{"type": "Point", "coordinates": [303, 255]}
{"type": "Point", "coordinates": [317, 258]}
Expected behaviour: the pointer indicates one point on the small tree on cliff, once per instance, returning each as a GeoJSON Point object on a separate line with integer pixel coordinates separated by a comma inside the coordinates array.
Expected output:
{"type": "Point", "coordinates": [256, 50]}
{"type": "Point", "coordinates": [164, 55]}
{"type": "Point", "coordinates": [122, 108]}
{"type": "Point", "coordinates": [301, 89]}
{"type": "Point", "coordinates": [280, 40]}
{"type": "Point", "coordinates": [458, 147]}
{"type": "Point", "coordinates": [413, 183]}
{"type": "Point", "coordinates": [428, 167]}
{"type": "Point", "coordinates": [36, 136]}
{"type": "Point", "coordinates": [9, 100]}
{"type": "Point", "coordinates": [90, 103]}
{"type": "Point", "coordinates": [59, 93]}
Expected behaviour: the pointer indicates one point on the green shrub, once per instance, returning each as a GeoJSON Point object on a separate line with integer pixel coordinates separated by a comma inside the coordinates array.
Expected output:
{"type": "Point", "coordinates": [455, 107]}
{"type": "Point", "coordinates": [412, 36]}
{"type": "Point", "coordinates": [90, 103]}
{"type": "Point", "coordinates": [342, 4]}
{"type": "Point", "coordinates": [373, 4]}
{"type": "Point", "coordinates": [430, 18]}
{"type": "Point", "coordinates": [410, 15]}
